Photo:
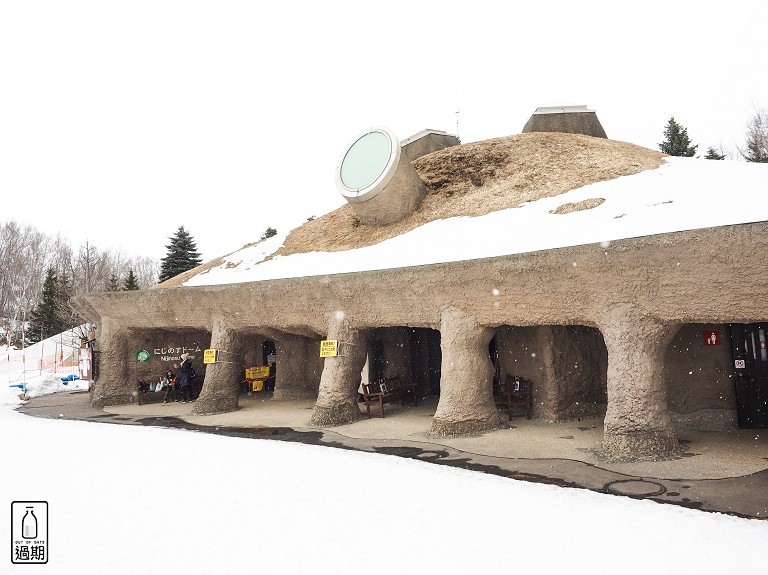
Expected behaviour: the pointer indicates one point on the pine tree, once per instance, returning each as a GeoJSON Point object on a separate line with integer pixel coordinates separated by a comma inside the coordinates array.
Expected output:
{"type": "Point", "coordinates": [713, 154]}
{"type": "Point", "coordinates": [47, 318]}
{"type": "Point", "coordinates": [65, 292]}
{"type": "Point", "coordinates": [130, 284]}
{"type": "Point", "coordinates": [269, 232]}
{"type": "Point", "coordinates": [114, 283]}
{"type": "Point", "coordinates": [182, 255]}
{"type": "Point", "coordinates": [676, 141]}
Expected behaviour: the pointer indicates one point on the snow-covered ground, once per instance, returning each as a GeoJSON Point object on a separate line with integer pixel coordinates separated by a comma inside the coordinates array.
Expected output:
{"type": "Point", "coordinates": [126, 499]}
{"type": "Point", "coordinates": [49, 366]}
{"type": "Point", "coordinates": [682, 194]}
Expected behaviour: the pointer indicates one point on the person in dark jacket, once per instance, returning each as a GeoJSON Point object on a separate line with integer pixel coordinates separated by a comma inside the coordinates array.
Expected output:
{"type": "Point", "coordinates": [185, 381]}
{"type": "Point", "coordinates": [171, 381]}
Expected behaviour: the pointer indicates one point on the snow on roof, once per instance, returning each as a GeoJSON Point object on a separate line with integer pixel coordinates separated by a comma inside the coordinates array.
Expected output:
{"type": "Point", "coordinates": [683, 194]}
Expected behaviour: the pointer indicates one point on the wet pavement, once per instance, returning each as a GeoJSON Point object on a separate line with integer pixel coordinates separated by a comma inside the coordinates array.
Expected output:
{"type": "Point", "coordinates": [723, 472]}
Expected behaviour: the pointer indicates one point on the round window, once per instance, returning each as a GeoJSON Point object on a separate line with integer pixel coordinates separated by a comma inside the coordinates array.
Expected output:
{"type": "Point", "coordinates": [366, 160]}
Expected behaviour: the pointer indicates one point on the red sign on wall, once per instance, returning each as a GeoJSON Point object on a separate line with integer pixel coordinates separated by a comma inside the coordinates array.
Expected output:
{"type": "Point", "coordinates": [711, 338]}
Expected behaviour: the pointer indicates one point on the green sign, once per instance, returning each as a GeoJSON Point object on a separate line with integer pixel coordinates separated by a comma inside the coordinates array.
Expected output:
{"type": "Point", "coordinates": [142, 355]}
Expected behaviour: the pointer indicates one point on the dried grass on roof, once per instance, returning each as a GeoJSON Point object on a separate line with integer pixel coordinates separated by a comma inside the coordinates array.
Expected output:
{"type": "Point", "coordinates": [476, 179]}
{"type": "Point", "coordinates": [570, 207]}
{"type": "Point", "coordinates": [482, 177]}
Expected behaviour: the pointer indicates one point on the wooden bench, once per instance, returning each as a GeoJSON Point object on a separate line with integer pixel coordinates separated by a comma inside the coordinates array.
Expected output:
{"type": "Point", "coordinates": [145, 395]}
{"type": "Point", "coordinates": [388, 390]}
{"type": "Point", "coordinates": [515, 394]}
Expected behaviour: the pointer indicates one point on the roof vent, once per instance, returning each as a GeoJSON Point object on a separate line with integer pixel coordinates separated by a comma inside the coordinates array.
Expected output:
{"type": "Point", "coordinates": [568, 119]}
{"type": "Point", "coordinates": [376, 176]}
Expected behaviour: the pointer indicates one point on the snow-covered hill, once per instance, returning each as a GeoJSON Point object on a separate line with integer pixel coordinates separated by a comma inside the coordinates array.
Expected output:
{"type": "Point", "coordinates": [683, 194]}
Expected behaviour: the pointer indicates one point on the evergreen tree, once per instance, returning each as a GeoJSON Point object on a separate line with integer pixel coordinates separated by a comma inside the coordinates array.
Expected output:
{"type": "Point", "coordinates": [65, 293]}
{"type": "Point", "coordinates": [269, 232]}
{"type": "Point", "coordinates": [47, 318]}
{"type": "Point", "coordinates": [114, 283]}
{"type": "Point", "coordinates": [130, 283]}
{"type": "Point", "coordinates": [676, 141]}
{"type": "Point", "coordinates": [713, 154]}
{"type": "Point", "coordinates": [182, 255]}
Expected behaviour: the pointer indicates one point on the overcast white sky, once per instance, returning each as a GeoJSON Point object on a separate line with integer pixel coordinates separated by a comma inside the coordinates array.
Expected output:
{"type": "Point", "coordinates": [230, 116]}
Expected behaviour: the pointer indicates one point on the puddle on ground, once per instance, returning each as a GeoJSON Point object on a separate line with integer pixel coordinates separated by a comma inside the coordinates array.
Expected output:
{"type": "Point", "coordinates": [278, 433]}
{"type": "Point", "coordinates": [442, 457]}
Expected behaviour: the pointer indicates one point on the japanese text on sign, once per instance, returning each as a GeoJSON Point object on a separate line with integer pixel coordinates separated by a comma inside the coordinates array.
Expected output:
{"type": "Point", "coordinates": [257, 372]}
{"type": "Point", "coordinates": [329, 348]}
{"type": "Point", "coordinates": [29, 532]}
{"type": "Point", "coordinates": [210, 355]}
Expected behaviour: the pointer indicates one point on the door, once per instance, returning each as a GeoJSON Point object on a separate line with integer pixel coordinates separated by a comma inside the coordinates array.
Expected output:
{"type": "Point", "coordinates": [750, 359]}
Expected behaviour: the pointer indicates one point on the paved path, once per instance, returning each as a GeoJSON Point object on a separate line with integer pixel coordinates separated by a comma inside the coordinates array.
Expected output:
{"type": "Point", "coordinates": [723, 472]}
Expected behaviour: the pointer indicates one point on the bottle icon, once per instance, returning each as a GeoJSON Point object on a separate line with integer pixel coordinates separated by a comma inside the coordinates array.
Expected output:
{"type": "Point", "coordinates": [29, 524]}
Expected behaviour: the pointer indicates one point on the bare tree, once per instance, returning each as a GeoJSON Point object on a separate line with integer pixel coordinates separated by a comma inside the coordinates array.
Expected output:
{"type": "Point", "coordinates": [147, 270]}
{"type": "Point", "coordinates": [92, 268]}
{"type": "Point", "coordinates": [756, 148]}
{"type": "Point", "coordinates": [26, 254]}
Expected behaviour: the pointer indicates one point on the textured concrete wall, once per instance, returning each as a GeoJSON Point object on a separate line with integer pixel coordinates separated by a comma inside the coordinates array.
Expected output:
{"type": "Point", "coordinates": [221, 386]}
{"type": "Point", "coordinates": [569, 123]}
{"type": "Point", "coordinates": [699, 379]}
{"type": "Point", "coordinates": [566, 364]}
{"type": "Point", "coordinates": [405, 191]}
{"type": "Point", "coordinates": [466, 405]}
{"type": "Point", "coordinates": [165, 348]}
{"type": "Point", "coordinates": [672, 279]}
{"type": "Point", "coordinates": [431, 142]}
{"type": "Point", "coordinates": [114, 384]}
{"type": "Point", "coordinates": [340, 380]}
{"type": "Point", "coordinates": [298, 368]}
{"type": "Point", "coordinates": [521, 353]}
{"type": "Point", "coordinates": [579, 368]}
{"type": "Point", "coordinates": [401, 196]}
{"type": "Point", "coordinates": [637, 421]}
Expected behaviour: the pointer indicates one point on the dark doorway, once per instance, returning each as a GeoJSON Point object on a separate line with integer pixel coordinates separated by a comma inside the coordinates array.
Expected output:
{"type": "Point", "coordinates": [493, 351]}
{"type": "Point", "coordinates": [376, 358]}
{"type": "Point", "coordinates": [750, 359]}
{"type": "Point", "coordinates": [435, 360]}
{"type": "Point", "coordinates": [412, 353]}
{"type": "Point", "coordinates": [269, 357]}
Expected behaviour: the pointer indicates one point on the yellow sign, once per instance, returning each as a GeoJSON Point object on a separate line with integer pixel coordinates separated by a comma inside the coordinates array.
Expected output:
{"type": "Point", "coordinates": [329, 348]}
{"type": "Point", "coordinates": [210, 355]}
{"type": "Point", "coordinates": [257, 372]}
{"type": "Point", "coordinates": [258, 385]}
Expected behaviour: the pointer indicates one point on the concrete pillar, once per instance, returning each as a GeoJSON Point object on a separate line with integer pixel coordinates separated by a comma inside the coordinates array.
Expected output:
{"type": "Point", "coordinates": [221, 386]}
{"type": "Point", "coordinates": [637, 424]}
{"type": "Point", "coordinates": [337, 397]}
{"type": "Point", "coordinates": [292, 380]}
{"type": "Point", "coordinates": [466, 405]}
{"type": "Point", "coordinates": [113, 352]}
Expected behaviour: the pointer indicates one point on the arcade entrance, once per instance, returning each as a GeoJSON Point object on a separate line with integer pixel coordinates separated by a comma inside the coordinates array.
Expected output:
{"type": "Point", "coordinates": [750, 360]}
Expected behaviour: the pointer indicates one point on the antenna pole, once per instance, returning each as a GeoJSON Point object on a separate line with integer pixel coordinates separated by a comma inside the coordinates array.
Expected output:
{"type": "Point", "coordinates": [457, 117]}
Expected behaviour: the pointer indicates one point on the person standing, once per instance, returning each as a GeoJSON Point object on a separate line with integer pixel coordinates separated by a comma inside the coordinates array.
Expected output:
{"type": "Point", "coordinates": [185, 380]}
